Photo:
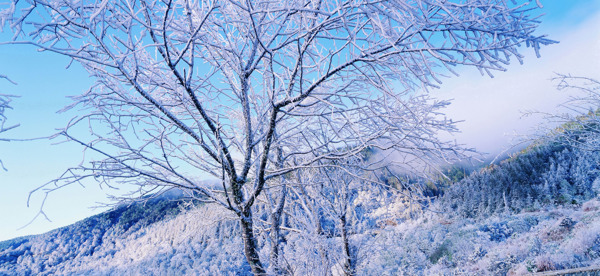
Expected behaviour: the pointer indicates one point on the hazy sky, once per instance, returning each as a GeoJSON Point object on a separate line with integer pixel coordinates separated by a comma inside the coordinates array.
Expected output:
{"type": "Point", "coordinates": [491, 109]}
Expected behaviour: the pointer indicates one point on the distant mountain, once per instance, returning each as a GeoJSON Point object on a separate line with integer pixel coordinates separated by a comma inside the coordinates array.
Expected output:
{"type": "Point", "coordinates": [536, 211]}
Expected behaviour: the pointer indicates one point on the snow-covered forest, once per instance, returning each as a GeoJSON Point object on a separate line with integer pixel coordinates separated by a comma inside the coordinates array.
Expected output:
{"type": "Point", "coordinates": [301, 138]}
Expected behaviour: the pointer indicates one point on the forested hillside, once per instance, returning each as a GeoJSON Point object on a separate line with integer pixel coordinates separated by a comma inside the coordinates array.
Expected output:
{"type": "Point", "coordinates": [73, 247]}
{"type": "Point", "coordinates": [535, 211]}
{"type": "Point", "coordinates": [543, 175]}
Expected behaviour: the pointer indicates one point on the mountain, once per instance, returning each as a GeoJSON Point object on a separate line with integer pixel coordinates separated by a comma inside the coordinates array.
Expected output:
{"type": "Point", "coordinates": [536, 211]}
{"type": "Point", "coordinates": [128, 236]}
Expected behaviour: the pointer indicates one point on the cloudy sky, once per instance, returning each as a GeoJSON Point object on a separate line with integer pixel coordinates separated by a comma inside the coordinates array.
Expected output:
{"type": "Point", "coordinates": [491, 110]}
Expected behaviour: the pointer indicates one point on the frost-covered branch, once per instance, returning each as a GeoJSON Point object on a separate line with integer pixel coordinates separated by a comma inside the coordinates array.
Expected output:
{"type": "Point", "coordinates": [5, 100]}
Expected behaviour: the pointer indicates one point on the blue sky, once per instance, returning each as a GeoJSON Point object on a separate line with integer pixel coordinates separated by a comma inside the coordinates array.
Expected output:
{"type": "Point", "coordinates": [490, 107]}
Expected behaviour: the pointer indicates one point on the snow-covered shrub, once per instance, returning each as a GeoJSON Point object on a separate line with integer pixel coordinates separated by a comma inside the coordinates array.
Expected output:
{"type": "Point", "coordinates": [442, 251]}
{"type": "Point", "coordinates": [544, 263]}
{"type": "Point", "coordinates": [497, 231]}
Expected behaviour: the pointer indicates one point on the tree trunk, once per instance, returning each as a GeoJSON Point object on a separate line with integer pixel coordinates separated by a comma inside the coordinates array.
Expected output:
{"type": "Point", "coordinates": [349, 263]}
{"type": "Point", "coordinates": [250, 246]}
{"type": "Point", "coordinates": [275, 233]}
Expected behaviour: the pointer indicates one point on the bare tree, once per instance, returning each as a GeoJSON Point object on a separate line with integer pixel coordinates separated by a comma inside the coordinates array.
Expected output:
{"type": "Point", "coordinates": [190, 89]}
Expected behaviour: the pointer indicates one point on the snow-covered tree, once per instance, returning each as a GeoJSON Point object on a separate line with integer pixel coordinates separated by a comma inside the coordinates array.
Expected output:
{"type": "Point", "coordinates": [334, 190]}
{"type": "Point", "coordinates": [249, 91]}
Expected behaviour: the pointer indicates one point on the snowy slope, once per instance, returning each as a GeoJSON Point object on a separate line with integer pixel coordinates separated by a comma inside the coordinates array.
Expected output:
{"type": "Point", "coordinates": [517, 244]}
